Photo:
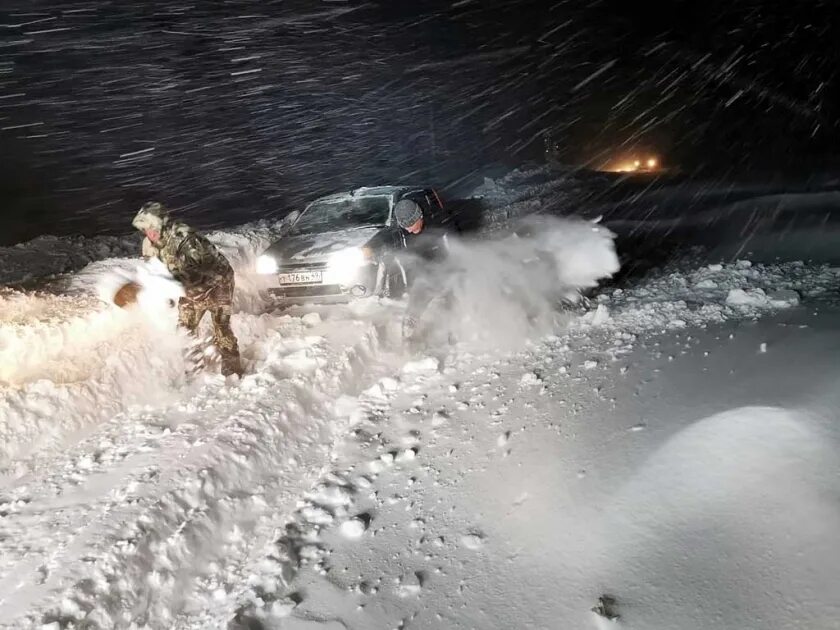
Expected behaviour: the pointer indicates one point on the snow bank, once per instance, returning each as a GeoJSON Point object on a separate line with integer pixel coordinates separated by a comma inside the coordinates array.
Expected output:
{"type": "Point", "coordinates": [50, 255]}
{"type": "Point", "coordinates": [729, 519]}
{"type": "Point", "coordinates": [681, 296]}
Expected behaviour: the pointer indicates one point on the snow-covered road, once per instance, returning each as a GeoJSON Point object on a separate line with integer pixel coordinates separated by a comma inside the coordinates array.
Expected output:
{"type": "Point", "coordinates": [672, 446]}
{"type": "Point", "coordinates": [692, 477]}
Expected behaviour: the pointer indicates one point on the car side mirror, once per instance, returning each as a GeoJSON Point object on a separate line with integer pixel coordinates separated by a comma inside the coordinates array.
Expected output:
{"type": "Point", "coordinates": [288, 221]}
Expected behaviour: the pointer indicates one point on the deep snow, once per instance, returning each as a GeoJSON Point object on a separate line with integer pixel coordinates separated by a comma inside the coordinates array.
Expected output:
{"type": "Point", "coordinates": [681, 476]}
{"type": "Point", "coordinates": [655, 447]}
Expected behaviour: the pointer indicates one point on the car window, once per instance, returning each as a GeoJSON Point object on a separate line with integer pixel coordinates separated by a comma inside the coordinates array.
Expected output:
{"type": "Point", "coordinates": [328, 216]}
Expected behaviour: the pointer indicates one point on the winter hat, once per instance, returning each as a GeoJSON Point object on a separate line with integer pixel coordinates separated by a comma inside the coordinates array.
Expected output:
{"type": "Point", "coordinates": [152, 216]}
{"type": "Point", "coordinates": [407, 213]}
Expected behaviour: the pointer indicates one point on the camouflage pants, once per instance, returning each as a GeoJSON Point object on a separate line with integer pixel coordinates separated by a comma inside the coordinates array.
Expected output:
{"type": "Point", "coordinates": [190, 314]}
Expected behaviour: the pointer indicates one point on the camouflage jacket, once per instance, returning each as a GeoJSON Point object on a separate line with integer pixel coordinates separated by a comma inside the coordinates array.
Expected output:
{"type": "Point", "coordinates": [195, 263]}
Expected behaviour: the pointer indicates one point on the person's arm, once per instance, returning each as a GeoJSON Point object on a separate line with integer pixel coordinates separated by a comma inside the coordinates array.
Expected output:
{"type": "Point", "coordinates": [198, 264]}
{"type": "Point", "coordinates": [148, 250]}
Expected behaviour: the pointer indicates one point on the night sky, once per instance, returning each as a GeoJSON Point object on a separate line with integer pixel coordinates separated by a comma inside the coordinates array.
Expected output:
{"type": "Point", "coordinates": [241, 109]}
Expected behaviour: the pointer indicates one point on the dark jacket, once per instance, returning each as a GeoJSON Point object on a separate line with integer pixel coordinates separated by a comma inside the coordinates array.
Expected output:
{"type": "Point", "coordinates": [431, 245]}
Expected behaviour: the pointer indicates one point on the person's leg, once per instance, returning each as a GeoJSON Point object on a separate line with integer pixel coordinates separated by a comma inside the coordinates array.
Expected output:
{"type": "Point", "coordinates": [420, 295]}
{"type": "Point", "coordinates": [189, 318]}
{"type": "Point", "coordinates": [225, 341]}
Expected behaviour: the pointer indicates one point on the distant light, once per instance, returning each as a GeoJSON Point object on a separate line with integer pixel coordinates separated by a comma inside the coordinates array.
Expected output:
{"type": "Point", "coordinates": [633, 165]}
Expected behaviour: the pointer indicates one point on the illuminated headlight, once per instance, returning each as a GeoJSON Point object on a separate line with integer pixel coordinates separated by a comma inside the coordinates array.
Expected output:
{"type": "Point", "coordinates": [266, 264]}
{"type": "Point", "coordinates": [353, 257]}
{"type": "Point", "coordinates": [344, 264]}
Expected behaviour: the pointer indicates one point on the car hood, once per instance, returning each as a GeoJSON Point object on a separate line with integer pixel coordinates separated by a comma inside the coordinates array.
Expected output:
{"type": "Point", "coordinates": [300, 247]}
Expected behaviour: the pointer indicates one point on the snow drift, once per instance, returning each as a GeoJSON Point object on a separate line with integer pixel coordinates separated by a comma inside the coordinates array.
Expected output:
{"type": "Point", "coordinates": [729, 515]}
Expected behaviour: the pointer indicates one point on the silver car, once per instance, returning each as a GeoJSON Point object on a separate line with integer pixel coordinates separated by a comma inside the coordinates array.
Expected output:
{"type": "Point", "coordinates": [343, 246]}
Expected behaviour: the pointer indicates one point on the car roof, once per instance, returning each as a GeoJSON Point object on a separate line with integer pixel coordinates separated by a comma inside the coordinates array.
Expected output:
{"type": "Point", "coordinates": [370, 191]}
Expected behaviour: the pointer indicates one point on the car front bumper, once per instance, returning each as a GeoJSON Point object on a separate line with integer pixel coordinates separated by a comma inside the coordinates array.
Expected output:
{"type": "Point", "coordinates": [294, 285]}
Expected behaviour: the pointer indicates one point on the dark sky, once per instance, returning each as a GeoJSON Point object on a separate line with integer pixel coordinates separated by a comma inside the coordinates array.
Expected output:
{"type": "Point", "coordinates": [239, 109]}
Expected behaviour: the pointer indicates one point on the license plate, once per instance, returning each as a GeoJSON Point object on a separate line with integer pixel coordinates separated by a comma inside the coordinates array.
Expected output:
{"type": "Point", "coordinates": [302, 277]}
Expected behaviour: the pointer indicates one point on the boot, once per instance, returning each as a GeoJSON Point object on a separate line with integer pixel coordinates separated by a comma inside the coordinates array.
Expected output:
{"type": "Point", "coordinates": [232, 364]}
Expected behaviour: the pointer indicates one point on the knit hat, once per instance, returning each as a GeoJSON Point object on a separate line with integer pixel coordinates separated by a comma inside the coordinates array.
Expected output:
{"type": "Point", "coordinates": [407, 213]}
{"type": "Point", "coordinates": [151, 216]}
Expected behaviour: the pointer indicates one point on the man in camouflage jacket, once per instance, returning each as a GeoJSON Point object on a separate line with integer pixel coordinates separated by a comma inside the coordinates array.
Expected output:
{"type": "Point", "coordinates": [204, 272]}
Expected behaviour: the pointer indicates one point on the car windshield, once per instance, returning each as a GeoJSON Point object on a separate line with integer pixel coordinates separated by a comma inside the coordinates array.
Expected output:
{"type": "Point", "coordinates": [328, 216]}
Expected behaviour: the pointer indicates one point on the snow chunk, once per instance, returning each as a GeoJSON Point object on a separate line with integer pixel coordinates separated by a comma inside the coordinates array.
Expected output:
{"type": "Point", "coordinates": [747, 297]}
{"type": "Point", "coordinates": [333, 496]}
{"type": "Point", "coordinates": [472, 541]}
{"type": "Point", "coordinates": [316, 515]}
{"type": "Point", "coordinates": [311, 320]}
{"type": "Point", "coordinates": [529, 379]}
{"type": "Point", "coordinates": [757, 298]}
{"type": "Point", "coordinates": [598, 317]}
{"type": "Point", "coordinates": [353, 528]}
{"type": "Point", "coordinates": [429, 364]}
{"type": "Point", "coordinates": [389, 384]}
{"type": "Point", "coordinates": [440, 418]}
{"type": "Point", "coordinates": [409, 590]}
{"type": "Point", "coordinates": [784, 298]}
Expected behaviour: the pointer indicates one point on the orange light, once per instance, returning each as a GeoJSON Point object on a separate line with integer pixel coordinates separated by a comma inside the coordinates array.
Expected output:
{"type": "Point", "coordinates": [651, 163]}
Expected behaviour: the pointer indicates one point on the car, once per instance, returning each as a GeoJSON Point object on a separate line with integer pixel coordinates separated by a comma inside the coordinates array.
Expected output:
{"type": "Point", "coordinates": [345, 245]}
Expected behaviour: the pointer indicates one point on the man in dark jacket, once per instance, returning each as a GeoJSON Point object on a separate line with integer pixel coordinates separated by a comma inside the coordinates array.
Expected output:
{"type": "Point", "coordinates": [204, 272]}
{"type": "Point", "coordinates": [428, 246]}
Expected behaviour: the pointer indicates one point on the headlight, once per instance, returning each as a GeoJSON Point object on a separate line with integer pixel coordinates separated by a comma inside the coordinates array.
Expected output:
{"type": "Point", "coordinates": [351, 258]}
{"type": "Point", "coordinates": [266, 264]}
{"type": "Point", "coordinates": [344, 265]}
